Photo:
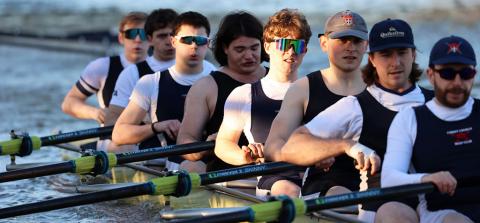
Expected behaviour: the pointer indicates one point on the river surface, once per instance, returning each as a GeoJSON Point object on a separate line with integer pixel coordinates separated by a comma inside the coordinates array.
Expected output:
{"type": "Point", "coordinates": [33, 83]}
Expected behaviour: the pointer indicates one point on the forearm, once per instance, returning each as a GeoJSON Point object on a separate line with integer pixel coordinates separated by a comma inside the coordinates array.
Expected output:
{"type": "Point", "coordinates": [124, 134]}
{"type": "Point", "coordinates": [304, 149]}
{"type": "Point", "coordinates": [273, 149]}
{"type": "Point", "coordinates": [78, 108]}
{"type": "Point", "coordinates": [229, 152]}
{"type": "Point", "coordinates": [112, 114]}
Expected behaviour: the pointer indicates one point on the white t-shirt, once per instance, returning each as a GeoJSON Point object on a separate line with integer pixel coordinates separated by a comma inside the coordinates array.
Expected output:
{"type": "Point", "coordinates": [344, 119]}
{"type": "Point", "coordinates": [128, 78]}
{"type": "Point", "coordinates": [94, 76]}
{"type": "Point", "coordinates": [145, 93]}
{"type": "Point", "coordinates": [237, 110]}
{"type": "Point", "coordinates": [401, 138]}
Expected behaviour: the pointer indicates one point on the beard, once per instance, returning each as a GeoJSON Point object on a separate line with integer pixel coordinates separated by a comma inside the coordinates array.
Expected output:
{"type": "Point", "coordinates": [441, 95]}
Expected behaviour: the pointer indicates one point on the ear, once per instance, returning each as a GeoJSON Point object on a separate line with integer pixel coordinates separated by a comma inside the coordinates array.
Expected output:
{"type": "Point", "coordinates": [173, 40]}
{"type": "Point", "coordinates": [150, 38]}
{"type": "Point", "coordinates": [371, 59]}
{"type": "Point", "coordinates": [431, 76]}
{"type": "Point", "coordinates": [323, 42]}
{"type": "Point", "coordinates": [120, 38]}
{"type": "Point", "coordinates": [267, 47]}
{"type": "Point", "coordinates": [225, 49]}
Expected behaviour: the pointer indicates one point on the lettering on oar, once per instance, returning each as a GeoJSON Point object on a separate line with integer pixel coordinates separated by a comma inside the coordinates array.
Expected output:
{"type": "Point", "coordinates": [348, 197]}
{"type": "Point", "coordinates": [156, 149]}
{"type": "Point", "coordinates": [72, 134]}
{"type": "Point", "coordinates": [237, 171]}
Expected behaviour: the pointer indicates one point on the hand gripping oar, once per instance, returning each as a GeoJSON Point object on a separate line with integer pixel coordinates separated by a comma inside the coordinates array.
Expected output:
{"type": "Point", "coordinates": [101, 162]}
{"type": "Point", "coordinates": [286, 209]}
{"type": "Point", "coordinates": [23, 146]}
{"type": "Point", "coordinates": [178, 184]}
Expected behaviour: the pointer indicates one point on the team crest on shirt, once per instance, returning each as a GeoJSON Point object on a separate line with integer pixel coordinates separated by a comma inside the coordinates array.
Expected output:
{"type": "Point", "coordinates": [347, 18]}
{"type": "Point", "coordinates": [460, 136]}
{"type": "Point", "coordinates": [454, 48]}
{"type": "Point", "coordinates": [115, 93]}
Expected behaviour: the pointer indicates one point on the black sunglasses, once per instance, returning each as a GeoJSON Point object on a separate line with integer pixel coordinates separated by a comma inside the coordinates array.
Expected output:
{"type": "Point", "coordinates": [132, 34]}
{"type": "Point", "coordinates": [449, 73]}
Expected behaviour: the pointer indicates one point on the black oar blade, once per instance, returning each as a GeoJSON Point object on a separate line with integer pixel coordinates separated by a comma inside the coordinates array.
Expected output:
{"type": "Point", "coordinates": [90, 198]}
{"type": "Point", "coordinates": [38, 171]}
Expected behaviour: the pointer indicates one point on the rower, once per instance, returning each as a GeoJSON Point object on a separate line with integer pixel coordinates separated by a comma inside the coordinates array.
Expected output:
{"type": "Point", "coordinates": [344, 41]}
{"type": "Point", "coordinates": [158, 29]}
{"type": "Point", "coordinates": [100, 75]}
{"type": "Point", "coordinates": [439, 139]}
{"type": "Point", "coordinates": [251, 108]}
{"type": "Point", "coordinates": [358, 125]}
{"type": "Point", "coordinates": [238, 48]}
{"type": "Point", "coordinates": [162, 94]}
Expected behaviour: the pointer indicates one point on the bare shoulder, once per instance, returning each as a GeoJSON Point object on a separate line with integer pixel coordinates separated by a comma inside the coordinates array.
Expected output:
{"type": "Point", "coordinates": [298, 92]}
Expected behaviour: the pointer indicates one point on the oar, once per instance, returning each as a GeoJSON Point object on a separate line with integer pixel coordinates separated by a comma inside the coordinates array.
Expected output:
{"type": "Point", "coordinates": [101, 162]}
{"type": "Point", "coordinates": [177, 185]}
{"type": "Point", "coordinates": [271, 211]}
{"type": "Point", "coordinates": [20, 147]}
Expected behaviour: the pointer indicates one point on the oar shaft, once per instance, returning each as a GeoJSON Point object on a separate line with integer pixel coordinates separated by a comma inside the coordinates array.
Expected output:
{"type": "Point", "coordinates": [46, 170]}
{"type": "Point", "coordinates": [238, 216]}
{"type": "Point", "coordinates": [244, 172]}
{"type": "Point", "coordinates": [153, 153]}
{"type": "Point", "coordinates": [53, 204]}
{"type": "Point", "coordinates": [77, 135]}
{"type": "Point", "coordinates": [366, 196]}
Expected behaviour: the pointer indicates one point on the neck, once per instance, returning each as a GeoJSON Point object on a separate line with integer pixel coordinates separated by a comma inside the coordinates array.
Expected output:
{"type": "Point", "coordinates": [245, 77]}
{"type": "Point", "coordinates": [134, 59]}
{"type": "Point", "coordinates": [183, 68]}
{"type": "Point", "coordinates": [282, 77]}
{"type": "Point", "coordinates": [343, 83]}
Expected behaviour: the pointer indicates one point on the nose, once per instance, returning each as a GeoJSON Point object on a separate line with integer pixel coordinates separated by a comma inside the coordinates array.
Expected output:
{"type": "Point", "coordinates": [291, 51]}
{"type": "Point", "coordinates": [395, 59]}
{"type": "Point", "coordinates": [457, 80]}
{"type": "Point", "coordinates": [138, 39]}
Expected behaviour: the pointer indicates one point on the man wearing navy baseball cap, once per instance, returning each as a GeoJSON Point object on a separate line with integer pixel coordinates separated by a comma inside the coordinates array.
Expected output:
{"type": "Point", "coordinates": [440, 139]}
{"type": "Point", "coordinates": [359, 124]}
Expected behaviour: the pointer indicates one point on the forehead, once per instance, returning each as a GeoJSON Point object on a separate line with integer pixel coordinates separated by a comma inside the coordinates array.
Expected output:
{"type": "Point", "coordinates": [452, 65]}
{"type": "Point", "coordinates": [189, 30]}
{"type": "Point", "coordinates": [393, 50]}
{"type": "Point", "coordinates": [244, 41]}
{"type": "Point", "coordinates": [134, 25]}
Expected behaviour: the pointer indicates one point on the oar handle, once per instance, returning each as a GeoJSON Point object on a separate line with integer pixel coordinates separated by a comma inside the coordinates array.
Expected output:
{"type": "Point", "coordinates": [46, 170]}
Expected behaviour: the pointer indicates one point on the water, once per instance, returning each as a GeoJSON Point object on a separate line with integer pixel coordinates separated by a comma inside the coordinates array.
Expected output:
{"type": "Point", "coordinates": [33, 83]}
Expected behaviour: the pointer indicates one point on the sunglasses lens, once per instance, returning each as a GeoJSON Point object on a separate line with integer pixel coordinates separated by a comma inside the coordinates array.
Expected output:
{"type": "Point", "coordinates": [132, 34]}
{"type": "Point", "coordinates": [199, 40]}
{"type": "Point", "coordinates": [450, 73]}
{"type": "Point", "coordinates": [285, 44]}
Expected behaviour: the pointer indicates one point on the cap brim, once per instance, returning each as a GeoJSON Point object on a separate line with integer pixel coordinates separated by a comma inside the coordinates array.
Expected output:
{"type": "Point", "coordinates": [454, 60]}
{"type": "Point", "coordinates": [391, 46]}
{"type": "Point", "coordinates": [349, 32]}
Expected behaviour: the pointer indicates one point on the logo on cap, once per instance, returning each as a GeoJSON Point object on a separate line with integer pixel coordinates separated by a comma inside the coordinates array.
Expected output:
{"type": "Point", "coordinates": [392, 32]}
{"type": "Point", "coordinates": [347, 18]}
{"type": "Point", "coordinates": [454, 48]}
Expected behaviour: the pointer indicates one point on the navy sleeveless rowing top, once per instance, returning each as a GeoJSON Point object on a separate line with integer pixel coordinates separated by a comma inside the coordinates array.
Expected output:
{"type": "Point", "coordinates": [376, 122]}
{"type": "Point", "coordinates": [144, 69]}
{"type": "Point", "coordinates": [320, 98]}
{"type": "Point", "coordinates": [449, 146]}
{"type": "Point", "coordinates": [263, 111]}
{"type": "Point", "coordinates": [114, 70]}
{"type": "Point", "coordinates": [170, 105]}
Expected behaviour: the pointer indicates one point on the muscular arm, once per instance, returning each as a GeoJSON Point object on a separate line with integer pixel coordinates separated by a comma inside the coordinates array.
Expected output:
{"type": "Point", "coordinates": [197, 113]}
{"type": "Point", "coordinates": [313, 149]}
{"type": "Point", "coordinates": [226, 146]}
{"type": "Point", "coordinates": [128, 130]}
{"type": "Point", "coordinates": [112, 114]}
{"type": "Point", "coordinates": [288, 119]}
{"type": "Point", "coordinates": [74, 104]}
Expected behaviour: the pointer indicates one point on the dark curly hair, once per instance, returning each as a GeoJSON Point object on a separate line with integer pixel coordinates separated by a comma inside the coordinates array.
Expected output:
{"type": "Point", "coordinates": [159, 19]}
{"type": "Point", "coordinates": [231, 27]}
{"type": "Point", "coordinates": [194, 19]}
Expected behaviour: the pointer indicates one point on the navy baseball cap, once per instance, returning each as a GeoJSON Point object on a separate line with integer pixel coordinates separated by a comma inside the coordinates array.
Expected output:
{"type": "Point", "coordinates": [346, 23]}
{"type": "Point", "coordinates": [390, 33]}
{"type": "Point", "coordinates": [452, 49]}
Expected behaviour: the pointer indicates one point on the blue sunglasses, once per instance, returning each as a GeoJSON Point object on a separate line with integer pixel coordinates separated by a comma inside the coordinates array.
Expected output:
{"type": "Point", "coordinates": [132, 34]}
{"type": "Point", "coordinates": [199, 40]}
